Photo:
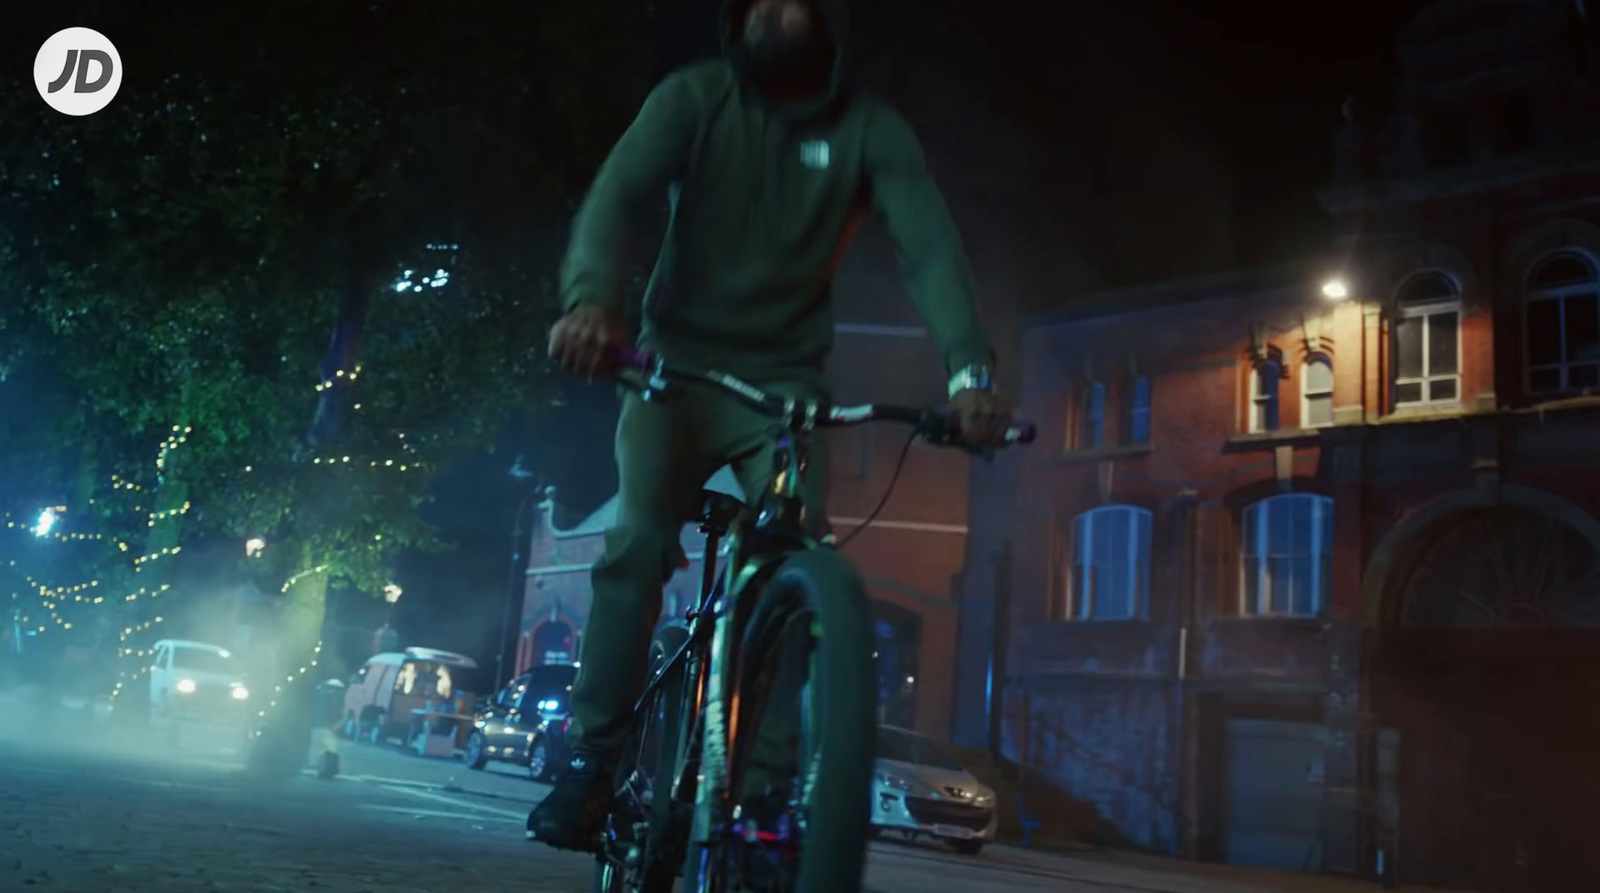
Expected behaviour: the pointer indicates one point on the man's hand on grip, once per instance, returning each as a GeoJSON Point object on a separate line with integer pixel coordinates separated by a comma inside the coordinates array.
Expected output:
{"type": "Point", "coordinates": [585, 340]}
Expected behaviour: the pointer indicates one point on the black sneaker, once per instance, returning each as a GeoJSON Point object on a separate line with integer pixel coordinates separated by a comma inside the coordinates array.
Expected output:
{"type": "Point", "coordinates": [572, 815]}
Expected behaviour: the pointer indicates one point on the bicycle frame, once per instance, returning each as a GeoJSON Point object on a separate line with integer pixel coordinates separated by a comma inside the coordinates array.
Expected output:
{"type": "Point", "coordinates": [760, 537]}
{"type": "Point", "coordinates": [757, 542]}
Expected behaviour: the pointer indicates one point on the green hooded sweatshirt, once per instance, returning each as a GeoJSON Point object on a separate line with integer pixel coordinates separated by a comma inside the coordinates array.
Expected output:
{"type": "Point", "coordinates": [764, 202]}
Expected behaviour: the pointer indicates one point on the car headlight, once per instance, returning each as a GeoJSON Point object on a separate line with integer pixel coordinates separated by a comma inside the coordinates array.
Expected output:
{"type": "Point", "coordinates": [900, 783]}
{"type": "Point", "coordinates": [240, 692]}
{"type": "Point", "coordinates": [186, 686]}
{"type": "Point", "coordinates": [549, 704]}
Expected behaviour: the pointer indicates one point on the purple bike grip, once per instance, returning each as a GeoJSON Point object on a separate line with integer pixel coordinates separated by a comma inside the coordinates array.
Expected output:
{"type": "Point", "coordinates": [1023, 432]}
{"type": "Point", "coordinates": [630, 357]}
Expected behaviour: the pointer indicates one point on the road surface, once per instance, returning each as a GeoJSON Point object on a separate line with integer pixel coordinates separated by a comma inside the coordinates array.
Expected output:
{"type": "Point", "coordinates": [112, 810]}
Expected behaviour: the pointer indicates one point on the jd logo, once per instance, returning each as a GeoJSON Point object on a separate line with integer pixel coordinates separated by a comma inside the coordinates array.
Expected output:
{"type": "Point", "coordinates": [77, 71]}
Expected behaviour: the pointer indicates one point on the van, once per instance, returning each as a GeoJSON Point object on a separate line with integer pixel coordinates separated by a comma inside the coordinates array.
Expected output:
{"type": "Point", "coordinates": [381, 697]}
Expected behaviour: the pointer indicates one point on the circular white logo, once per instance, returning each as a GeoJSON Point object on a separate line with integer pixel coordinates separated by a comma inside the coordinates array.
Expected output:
{"type": "Point", "coordinates": [77, 71]}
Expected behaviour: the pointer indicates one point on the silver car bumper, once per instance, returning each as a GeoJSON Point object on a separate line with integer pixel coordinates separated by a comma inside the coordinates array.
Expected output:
{"type": "Point", "coordinates": [947, 819]}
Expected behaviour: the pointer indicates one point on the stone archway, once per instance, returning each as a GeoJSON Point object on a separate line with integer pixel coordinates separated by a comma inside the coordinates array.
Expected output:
{"type": "Point", "coordinates": [1487, 615]}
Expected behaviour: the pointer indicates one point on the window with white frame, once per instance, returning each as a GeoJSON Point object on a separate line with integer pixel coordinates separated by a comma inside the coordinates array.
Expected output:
{"type": "Point", "coordinates": [1287, 548]}
{"type": "Point", "coordinates": [1427, 341]}
{"type": "Point", "coordinates": [1109, 555]}
{"type": "Point", "coordinates": [1316, 392]}
{"type": "Point", "coordinates": [1091, 434]}
{"type": "Point", "coordinates": [1563, 320]}
{"type": "Point", "coordinates": [1264, 396]}
{"type": "Point", "coordinates": [1138, 431]}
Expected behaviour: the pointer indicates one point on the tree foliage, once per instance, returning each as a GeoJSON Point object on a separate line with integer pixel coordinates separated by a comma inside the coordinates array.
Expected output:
{"type": "Point", "coordinates": [179, 261]}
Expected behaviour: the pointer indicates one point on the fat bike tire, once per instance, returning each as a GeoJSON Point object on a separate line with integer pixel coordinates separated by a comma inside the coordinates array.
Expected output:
{"type": "Point", "coordinates": [815, 600]}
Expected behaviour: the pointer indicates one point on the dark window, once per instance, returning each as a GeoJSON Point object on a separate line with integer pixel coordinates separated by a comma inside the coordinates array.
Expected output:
{"type": "Point", "coordinates": [1139, 411]}
{"type": "Point", "coordinates": [1110, 577]}
{"type": "Point", "coordinates": [1563, 320]}
{"type": "Point", "coordinates": [1447, 136]}
{"type": "Point", "coordinates": [1092, 417]}
{"type": "Point", "coordinates": [1519, 124]}
{"type": "Point", "coordinates": [1287, 555]}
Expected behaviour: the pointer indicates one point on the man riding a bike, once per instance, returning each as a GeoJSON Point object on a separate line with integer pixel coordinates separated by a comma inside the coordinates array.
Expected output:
{"type": "Point", "coordinates": [770, 161]}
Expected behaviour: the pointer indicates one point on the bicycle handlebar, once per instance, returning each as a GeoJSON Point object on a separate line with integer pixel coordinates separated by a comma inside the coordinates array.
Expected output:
{"type": "Point", "coordinates": [935, 426]}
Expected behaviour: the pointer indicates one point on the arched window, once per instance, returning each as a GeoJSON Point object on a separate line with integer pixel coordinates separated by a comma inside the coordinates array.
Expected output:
{"type": "Point", "coordinates": [1427, 341]}
{"type": "Point", "coordinates": [1091, 433]}
{"type": "Point", "coordinates": [1264, 396]}
{"type": "Point", "coordinates": [1316, 392]}
{"type": "Point", "coordinates": [1287, 551]}
{"type": "Point", "coordinates": [1563, 306]}
{"type": "Point", "coordinates": [1110, 578]}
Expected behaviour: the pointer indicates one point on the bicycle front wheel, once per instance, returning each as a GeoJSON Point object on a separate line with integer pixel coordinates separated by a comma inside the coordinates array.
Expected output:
{"type": "Point", "coordinates": [807, 720]}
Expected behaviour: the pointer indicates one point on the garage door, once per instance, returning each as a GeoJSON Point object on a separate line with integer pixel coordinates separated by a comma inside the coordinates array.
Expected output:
{"type": "Point", "coordinates": [1273, 804]}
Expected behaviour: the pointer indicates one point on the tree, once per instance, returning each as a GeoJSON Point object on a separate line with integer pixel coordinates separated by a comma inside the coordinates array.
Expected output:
{"type": "Point", "coordinates": [398, 175]}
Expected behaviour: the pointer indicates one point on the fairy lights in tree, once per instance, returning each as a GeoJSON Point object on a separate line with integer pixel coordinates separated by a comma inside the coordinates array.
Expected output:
{"type": "Point", "coordinates": [277, 690]}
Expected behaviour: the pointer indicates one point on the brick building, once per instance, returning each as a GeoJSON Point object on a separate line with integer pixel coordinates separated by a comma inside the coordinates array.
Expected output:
{"type": "Point", "coordinates": [910, 555]}
{"type": "Point", "coordinates": [1307, 576]}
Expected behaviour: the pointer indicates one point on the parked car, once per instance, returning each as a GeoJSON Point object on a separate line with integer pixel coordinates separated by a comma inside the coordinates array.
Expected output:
{"type": "Point", "coordinates": [380, 698]}
{"type": "Point", "coordinates": [921, 790]}
{"type": "Point", "coordinates": [196, 681]}
{"type": "Point", "coordinates": [526, 722]}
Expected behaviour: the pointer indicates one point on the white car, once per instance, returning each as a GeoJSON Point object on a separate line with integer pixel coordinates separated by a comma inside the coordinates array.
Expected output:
{"type": "Point", "coordinates": [196, 680]}
{"type": "Point", "coordinates": [921, 790]}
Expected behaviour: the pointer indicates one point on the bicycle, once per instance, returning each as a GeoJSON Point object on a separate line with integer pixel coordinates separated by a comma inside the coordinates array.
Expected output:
{"type": "Point", "coordinates": [785, 594]}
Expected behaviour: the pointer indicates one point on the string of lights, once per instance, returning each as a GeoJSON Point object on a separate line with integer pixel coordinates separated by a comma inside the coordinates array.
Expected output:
{"type": "Point", "coordinates": [277, 690]}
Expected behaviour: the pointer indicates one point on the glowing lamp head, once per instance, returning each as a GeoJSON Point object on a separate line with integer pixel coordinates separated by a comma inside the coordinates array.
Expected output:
{"type": "Point", "coordinates": [254, 545]}
{"type": "Point", "coordinates": [1335, 290]}
{"type": "Point", "coordinates": [391, 593]}
{"type": "Point", "coordinates": [47, 521]}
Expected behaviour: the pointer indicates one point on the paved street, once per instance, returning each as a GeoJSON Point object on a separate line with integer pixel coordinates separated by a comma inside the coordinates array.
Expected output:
{"type": "Point", "coordinates": [132, 813]}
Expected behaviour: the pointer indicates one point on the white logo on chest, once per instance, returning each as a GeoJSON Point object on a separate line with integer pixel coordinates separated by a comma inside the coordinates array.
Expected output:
{"type": "Point", "coordinates": [815, 154]}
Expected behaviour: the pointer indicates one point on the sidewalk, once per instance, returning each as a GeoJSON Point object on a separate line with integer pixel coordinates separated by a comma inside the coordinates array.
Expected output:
{"type": "Point", "coordinates": [1137, 872]}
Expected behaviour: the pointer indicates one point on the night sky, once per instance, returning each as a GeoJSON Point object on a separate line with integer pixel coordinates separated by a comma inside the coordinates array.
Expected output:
{"type": "Point", "coordinates": [1125, 145]}
{"type": "Point", "coordinates": [1096, 146]}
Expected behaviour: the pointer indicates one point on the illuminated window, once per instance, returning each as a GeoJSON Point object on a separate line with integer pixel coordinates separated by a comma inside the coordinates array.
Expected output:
{"type": "Point", "coordinates": [1264, 396]}
{"type": "Point", "coordinates": [1316, 392]}
{"type": "Point", "coordinates": [1427, 341]}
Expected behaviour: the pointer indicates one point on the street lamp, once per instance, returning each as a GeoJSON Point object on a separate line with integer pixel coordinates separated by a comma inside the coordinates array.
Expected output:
{"type": "Point", "coordinates": [385, 638]}
{"type": "Point", "coordinates": [524, 478]}
{"type": "Point", "coordinates": [253, 547]}
{"type": "Point", "coordinates": [1335, 290]}
{"type": "Point", "coordinates": [391, 594]}
{"type": "Point", "coordinates": [47, 520]}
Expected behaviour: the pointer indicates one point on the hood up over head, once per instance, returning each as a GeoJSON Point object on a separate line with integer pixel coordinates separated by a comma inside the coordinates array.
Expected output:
{"type": "Point", "coordinates": [833, 16]}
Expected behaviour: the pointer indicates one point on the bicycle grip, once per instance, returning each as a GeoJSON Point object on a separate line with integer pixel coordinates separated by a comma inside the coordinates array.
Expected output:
{"type": "Point", "coordinates": [628, 356]}
{"type": "Point", "coordinates": [1021, 432]}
